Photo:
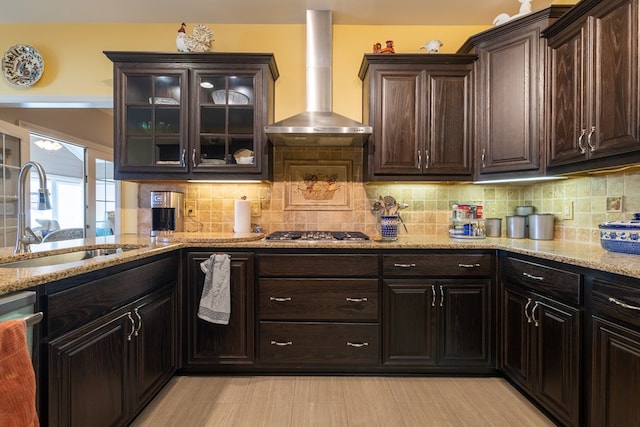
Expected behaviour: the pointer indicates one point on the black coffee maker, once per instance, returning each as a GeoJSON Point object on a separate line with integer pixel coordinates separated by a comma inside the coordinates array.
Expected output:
{"type": "Point", "coordinates": [166, 211]}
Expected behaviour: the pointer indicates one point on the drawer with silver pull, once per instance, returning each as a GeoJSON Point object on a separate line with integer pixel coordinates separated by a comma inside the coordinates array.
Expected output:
{"type": "Point", "coordinates": [309, 343]}
{"type": "Point", "coordinates": [439, 264]}
{"type": "Point", "coordinates": [553, 282]}
{"type": "Point", "coordinates": [620, 301]}
{"type": "Point", "coordinates": [318, 299]}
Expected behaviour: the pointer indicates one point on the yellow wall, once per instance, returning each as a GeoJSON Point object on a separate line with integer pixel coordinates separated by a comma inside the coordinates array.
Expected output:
{"type": "Point", "coordinates": [75, 64]}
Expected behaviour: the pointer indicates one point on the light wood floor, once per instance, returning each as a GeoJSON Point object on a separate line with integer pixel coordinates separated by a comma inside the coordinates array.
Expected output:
{"type": "Point", "coordinates": [339, 401]}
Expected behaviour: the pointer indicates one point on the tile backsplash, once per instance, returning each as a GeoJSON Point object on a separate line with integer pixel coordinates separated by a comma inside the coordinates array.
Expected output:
{"type": "Point", "coordinates": [588, 200]}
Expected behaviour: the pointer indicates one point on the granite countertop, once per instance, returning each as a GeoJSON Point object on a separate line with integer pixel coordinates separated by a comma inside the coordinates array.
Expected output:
{"type": "Point", "coordinates": [15, 279]}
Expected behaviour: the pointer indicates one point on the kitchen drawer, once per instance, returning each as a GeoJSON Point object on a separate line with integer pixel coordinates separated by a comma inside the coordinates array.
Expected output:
{"type": "Point", "coordinates": [549, 281]}
{"type": "Point", "coordinates": [617, 300]}
{"type": "Point", "coordinates": [318, 299]}
{"type": "Point", "coordinates": [437, 265]}
{"type": "Point", "coordinates": [317, 265]}
{"type": "Point", "coordinates": [319, 343]}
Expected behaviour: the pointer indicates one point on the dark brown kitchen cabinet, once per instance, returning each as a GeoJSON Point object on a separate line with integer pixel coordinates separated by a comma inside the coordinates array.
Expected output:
{"type": "Point", "coordinates": [616, 352]}
{"type": "Point", "coordinates": [318, 312]}
{"type": "Point", "coordinates": [214, 347]}
{"type": "Point", "coordinates": [541, 336]}
{"type": "Point", "coordinates": [510, 102]}
{"type": "Point", "coordinates": [421, 111]}
{"type": "Point", "coordinates": [125, 357]}
{"type": "Point", "coordinates": [184, 115]}
{"type": "Point", "coordinates": [113, 331]}
{"type": "Point", "coordinates": [594, 119]}
{"type": "Point", "coordinates": [434, 320]}
{"type": "Point", "coordinates": [444, 323]}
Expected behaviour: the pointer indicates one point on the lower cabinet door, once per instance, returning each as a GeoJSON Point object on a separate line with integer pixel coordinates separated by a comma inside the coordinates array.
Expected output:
{"type": "Point", "coordinates": [557, 332]}
{"type": "Point", "coordinates": [464, 323]}
{"type": "Point", "coordinates": [89, 374]}
{"type": "Point", "coordinates": [409, 318]}
{"type": "Point", "coordinates": [516, 337]}
{"type": "Point", "coordinates": [616, 375]}
{"type": "Point", "coordinates": [321, 344]}
{"type": "Point", "coordinates": [156, 345]}
{"type": "Point", "coordinates": [212, 345]}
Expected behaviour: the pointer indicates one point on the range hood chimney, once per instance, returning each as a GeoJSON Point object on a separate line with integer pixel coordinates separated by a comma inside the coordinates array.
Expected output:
{"type": "Point", "coordinates": [318, 126]}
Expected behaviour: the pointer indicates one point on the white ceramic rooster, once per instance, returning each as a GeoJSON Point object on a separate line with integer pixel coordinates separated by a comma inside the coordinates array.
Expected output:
{"type": "Point", "coordinates": [199, 41]}
{"type": "Point", "coordinates": [525, 8]}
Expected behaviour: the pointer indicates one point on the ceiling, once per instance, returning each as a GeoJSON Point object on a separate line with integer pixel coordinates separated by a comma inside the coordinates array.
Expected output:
{"type": "Point", "coordinates": [345, 12]}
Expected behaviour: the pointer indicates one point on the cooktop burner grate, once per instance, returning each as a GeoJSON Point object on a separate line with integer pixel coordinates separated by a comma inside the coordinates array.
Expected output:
{"type": "Point", "coordinates": [317, 235]}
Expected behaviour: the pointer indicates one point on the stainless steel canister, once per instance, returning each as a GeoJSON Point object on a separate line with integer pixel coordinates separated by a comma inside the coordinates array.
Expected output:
{"type": "Point", "coordinates": [493, 227]}
{"type": "Point", "coordinates": [515, 227]}
{"type": "Point", "coordinates": [541, 226]}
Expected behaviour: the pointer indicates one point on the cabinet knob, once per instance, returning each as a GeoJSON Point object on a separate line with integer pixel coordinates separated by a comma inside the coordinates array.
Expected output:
{"type": "Point", "coordinates": [357, 344]}
{"type": "Point", "coordinates": [281, 343]}
{"type": "Point", "coordinates": [133, 326]}
{"type": "Point", "coordinates": [193, 158]}
{"type": "Point", "coordinates": [419, 159]}
{"type": "Point", "coordinates": [484, 157]}
{"type": "Point", "coordinates": [468, 265]}
{"type": "Point", "coordinates": [427, 159]}
{"type": "Point", "coordinates": [581, 141]}
{"type": "Point", "coordinates": [526, 310]}
{"type": "Point", "coordinates": [533, 314]}
{"type": "Point", "coordinates": [623, 304]}
{"type": "Point", "coordinates": [363, 299]}
{"type": "Point", "coordinates": [280, 299]}
{"type": "Point", "coordinates": [592, 147]}
{"type": "Point", "coordinates": [433, 295]}
{"type": "Point", "coordinates": [135, 332]}
{"type": "Point", "coordinates": [183, 157]}
{"type": "Point", "coordinates": [532, 277]}
{"type": "Point", "coordinates": [404, 265]}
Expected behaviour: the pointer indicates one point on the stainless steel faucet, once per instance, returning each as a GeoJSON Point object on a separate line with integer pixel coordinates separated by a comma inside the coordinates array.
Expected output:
{"type": "Point", "coordinates": [26, 236]}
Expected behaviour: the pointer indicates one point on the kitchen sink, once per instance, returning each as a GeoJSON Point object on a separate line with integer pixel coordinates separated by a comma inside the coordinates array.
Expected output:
{"type": "Point", "coordinates": [64, 258]}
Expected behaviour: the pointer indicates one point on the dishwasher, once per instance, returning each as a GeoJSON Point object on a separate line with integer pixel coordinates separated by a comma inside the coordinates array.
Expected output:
{"type": "Point", "coordinates": [21, 306]}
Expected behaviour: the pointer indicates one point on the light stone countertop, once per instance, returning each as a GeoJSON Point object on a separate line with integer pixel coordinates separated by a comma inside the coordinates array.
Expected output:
{"type": "Point", "coordinates": [15, 279]}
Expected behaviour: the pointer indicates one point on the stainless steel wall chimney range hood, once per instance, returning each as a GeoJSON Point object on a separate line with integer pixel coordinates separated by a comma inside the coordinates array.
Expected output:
{"type": "Point", "coordinates": [318, 126]}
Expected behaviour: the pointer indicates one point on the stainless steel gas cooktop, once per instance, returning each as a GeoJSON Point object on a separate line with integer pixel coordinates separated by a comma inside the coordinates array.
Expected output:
{"type": "Point", "coordinates": [317, 235]}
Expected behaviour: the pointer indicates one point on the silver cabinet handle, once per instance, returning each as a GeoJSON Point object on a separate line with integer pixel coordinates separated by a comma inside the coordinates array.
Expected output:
{"type": "Point", "coordinates": [193, 158]}
{"type": "Point", "coordinates": [533, 314]}
{"type": "Point", "coordinates": [581, 141]}
{"type": "Point", "coordinates": [427, 159]}
{"type": "Point", "coordinates": [484, 156]}
{"type": "Point", "coordinates": [623, 304]}
{"type": "Point", "coordinates": [139, 321]}
{"type": "Point", "coordinates": [433, 295]}
{"type": "Point", "coordinates": [281, 343]}
{"type": "Point", "coordinates": [404, 265]}
{"type": "Point", "coordinates": [468, 265]}
{"type": "Point", "coordinates": [280, 299]}
{"type": "Point", "coordinates": [357, 344]}
{"type": "Point", "coordinates": [419, 159]}
{"type": "Point", "coordinates": [133, 326]}
{"type": "Point", "coordinates": [363, 299]}
{"type": "Point", "coordinates": [183, 157]}
{"type": "Point", "coordinates": [531, 276]}
{"type": "Point", "coordinates": [526, 308]}
{"type": "Point", "coordinates": [441, 296]}
{"type": "Point", "coordinates": [592, 147]}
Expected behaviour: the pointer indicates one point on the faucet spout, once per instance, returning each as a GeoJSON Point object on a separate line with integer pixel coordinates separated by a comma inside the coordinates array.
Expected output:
{"type": "Point", "coordinates": [25, 236]}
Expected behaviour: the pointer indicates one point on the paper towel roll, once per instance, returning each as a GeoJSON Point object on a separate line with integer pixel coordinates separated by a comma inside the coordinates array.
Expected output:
{"type": "Point", "coordinates": [242, 216]}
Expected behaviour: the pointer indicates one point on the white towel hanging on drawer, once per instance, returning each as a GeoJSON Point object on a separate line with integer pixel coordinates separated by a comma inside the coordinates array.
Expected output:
{"type": "Point", "coordinates": [215, 302]}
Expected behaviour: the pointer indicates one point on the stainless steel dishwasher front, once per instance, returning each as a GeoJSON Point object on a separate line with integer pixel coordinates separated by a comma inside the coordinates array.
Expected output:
{"type": "Point", "coordinates": [21, 306]}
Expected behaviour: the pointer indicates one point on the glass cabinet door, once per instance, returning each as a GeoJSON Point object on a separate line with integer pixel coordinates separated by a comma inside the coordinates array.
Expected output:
{"type": "Point", "coordinates": [154, 113]}
{"type": "Point", "coordinates": [225, 126]}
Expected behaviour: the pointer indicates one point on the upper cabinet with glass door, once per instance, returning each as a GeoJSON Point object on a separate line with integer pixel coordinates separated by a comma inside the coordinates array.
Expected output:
{"type": "Point", "coordinates": [192, 115]}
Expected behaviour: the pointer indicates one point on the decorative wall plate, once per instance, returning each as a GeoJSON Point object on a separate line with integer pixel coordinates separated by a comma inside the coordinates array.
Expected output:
{"type": "Point", "coordinates": [22, 65]}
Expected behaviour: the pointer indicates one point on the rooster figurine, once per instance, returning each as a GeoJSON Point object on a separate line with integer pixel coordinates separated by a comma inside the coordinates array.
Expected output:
{"type": "Point", "coordinates": [199, 41]}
